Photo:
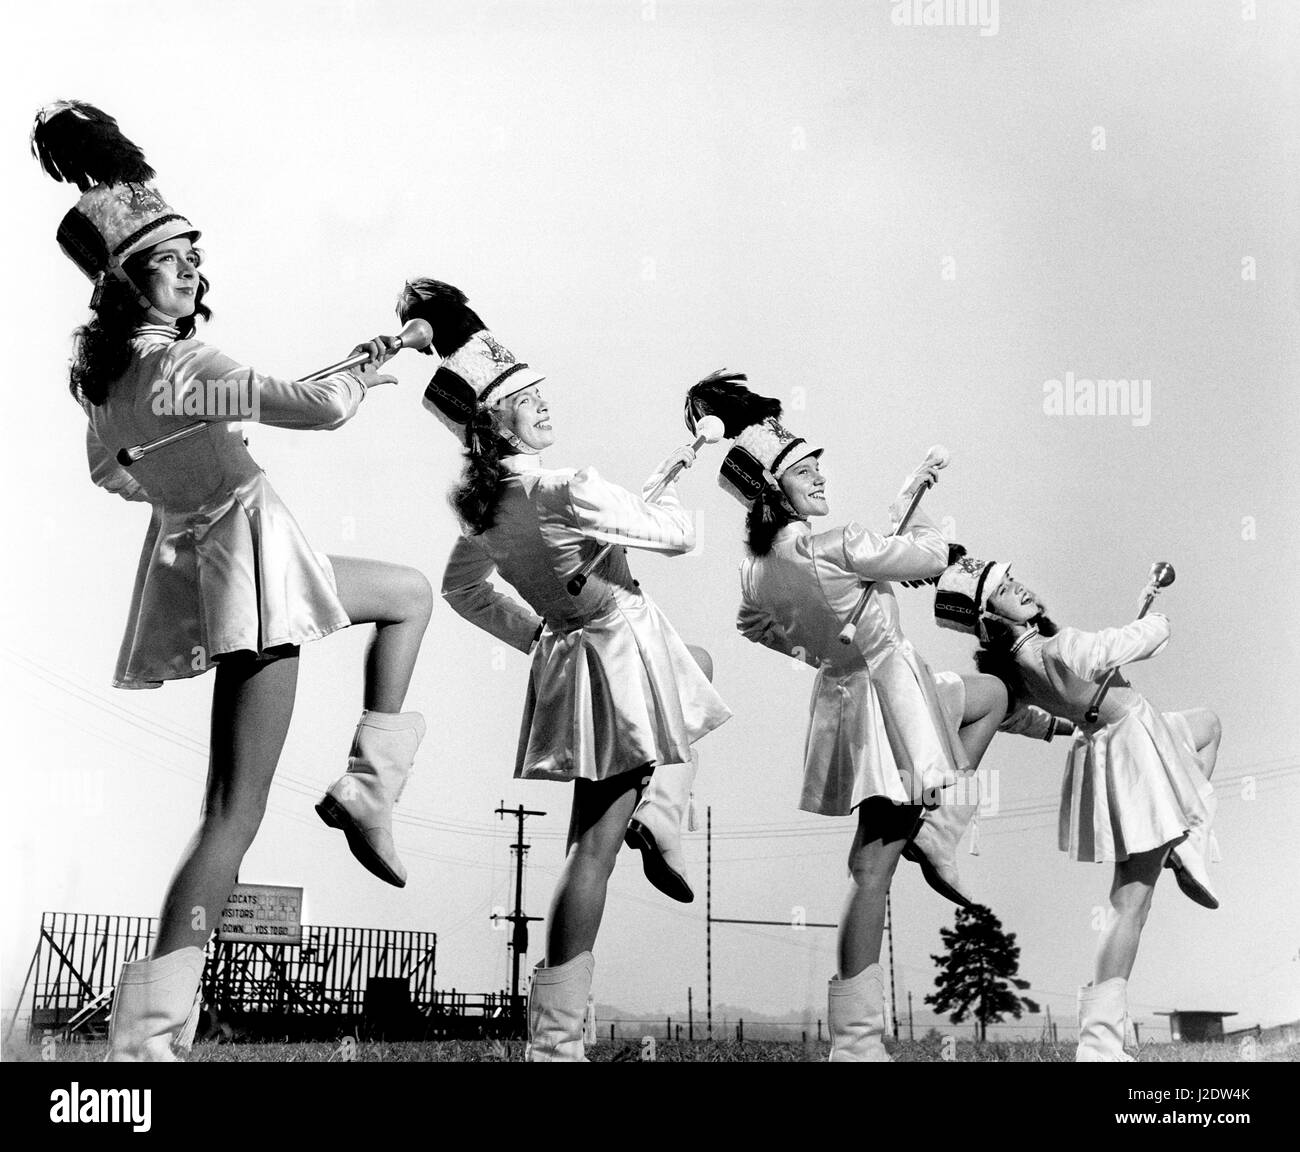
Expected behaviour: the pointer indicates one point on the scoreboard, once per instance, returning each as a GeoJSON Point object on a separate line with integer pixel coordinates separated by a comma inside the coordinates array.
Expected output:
{"type": "Point", "coordinates": [262, 914]}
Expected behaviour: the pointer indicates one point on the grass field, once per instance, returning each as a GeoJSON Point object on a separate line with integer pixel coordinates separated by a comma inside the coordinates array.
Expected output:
{"type": "Point", "coordinates": [702, 1052]}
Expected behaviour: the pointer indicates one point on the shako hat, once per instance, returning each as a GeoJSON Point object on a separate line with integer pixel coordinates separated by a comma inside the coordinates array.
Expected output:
{"type": "Point", "coordinates": [963, 591]}
{"type": "Point", "coordinates": [120, 211]}
{"type": "Point", "coordinates": [476, 369]}
{"type": "Point", "coordinates": [764, 448]}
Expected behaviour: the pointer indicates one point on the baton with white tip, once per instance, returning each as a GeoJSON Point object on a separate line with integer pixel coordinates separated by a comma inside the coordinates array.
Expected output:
{"type": "Point", "coordinates": [708, 430]}
{"type": "Point", "coordinates": [936, 457]}
{"type": "Point", "coordinates": [417, 334]}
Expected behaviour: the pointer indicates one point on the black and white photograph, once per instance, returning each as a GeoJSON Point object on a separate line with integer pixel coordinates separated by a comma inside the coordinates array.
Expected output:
{"type": "Point", "coordinates": [653, 531]}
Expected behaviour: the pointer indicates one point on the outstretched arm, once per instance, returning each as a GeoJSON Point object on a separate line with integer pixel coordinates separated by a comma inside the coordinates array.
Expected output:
{"type": "Point", "coordinates": [220, 388]}
{"type": "Point", "coordinates": [612, 515]}
{"type": "Point", "coordinates": [918, 553]}
{"type": "Point", "coordinates": [1092, 654]}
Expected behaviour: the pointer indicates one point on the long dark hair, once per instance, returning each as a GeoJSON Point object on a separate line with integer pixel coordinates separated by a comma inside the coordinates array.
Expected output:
{"type": "Point", "coordinates": [768, 514]}
{"type": "Point", "coordinates": [993, 656]}
{"type": "Point", "coordinates": [102, 347]}
{"type": "Point", "coordinates": [476, 496]}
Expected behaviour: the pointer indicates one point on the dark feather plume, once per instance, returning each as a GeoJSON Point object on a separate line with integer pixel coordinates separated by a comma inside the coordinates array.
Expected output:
{"type": "Point", "coordinates": [722, 394]}
{"type": "Point", "coordinates": [444, 307]}
{"type": "Point", "coordinates": [77, 142]}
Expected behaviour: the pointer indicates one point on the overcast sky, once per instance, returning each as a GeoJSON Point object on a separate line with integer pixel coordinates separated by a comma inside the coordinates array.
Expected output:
{"type": "Point", "coordinates": [907, 233]}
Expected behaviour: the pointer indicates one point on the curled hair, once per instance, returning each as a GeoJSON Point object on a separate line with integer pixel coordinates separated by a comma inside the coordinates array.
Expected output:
{"type": "Point", "coordinates": [993, 656]}
{"type": "Point", "coordinates": [768, 514]}
{"type": "Point", "coordinates": [102, 347]}
{"type": "Point", "coordinates": [475, 497]}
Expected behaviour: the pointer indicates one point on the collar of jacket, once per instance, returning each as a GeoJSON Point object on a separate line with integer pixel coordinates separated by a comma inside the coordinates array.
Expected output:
{"type": "Point", "coordinates": [156, 333]}
{"type": "Point", "coordinates": [521, 463]}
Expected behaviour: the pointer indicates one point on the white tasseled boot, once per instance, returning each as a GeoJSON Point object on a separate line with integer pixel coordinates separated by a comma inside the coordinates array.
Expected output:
{"type": "Point", "coordinates": [360, 802]}
{"type": "Point", "coordinates": [557, 1011]}
{"type": "Point", "coordinates": [1103, 1009]}
{"type": "Point", "coordinates": [155, 1005]}
{"type": "Point", "coordinates": [934, 847]}
{"type": "Point", "coordinates": [856, 1014]}
{"type": "Point", "coordinates": [656, 828]}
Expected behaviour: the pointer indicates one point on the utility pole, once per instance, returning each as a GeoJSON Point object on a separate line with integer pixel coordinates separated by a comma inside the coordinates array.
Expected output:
{"type": "Point", "coordinates": [517, 945]}
{"type": "Point", "coordinates": [708, 917]}
{"type": "Point", "coordinates": [911, 1026]}
{"type": "Point", "coordinates": [889, 927]}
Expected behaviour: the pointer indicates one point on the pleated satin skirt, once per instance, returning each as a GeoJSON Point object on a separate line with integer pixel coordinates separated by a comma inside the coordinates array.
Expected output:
{"type": "Point", "coordinates": [890, 730]}
{"type": "Point", "coordinates": [1132, 786]}
{"type": "Point", "coordinates": [611, 696]}
{"type": "Point", "coordinates": [235, 575]}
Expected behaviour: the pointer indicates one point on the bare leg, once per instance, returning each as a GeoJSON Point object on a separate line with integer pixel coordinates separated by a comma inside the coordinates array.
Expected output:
{"type": "Point", "coordinates": [252, 703]}
{"type": "Point", "coordinates": [1206, 732]}
{"type": "Point", "coordinates": [601, 810]}
{"type": "Point", "coordinates": [399, 601]}
{"type": "Point", "coordinates": [1130, 902]}
{"type": "Point", "coordinates": [986, 705]}
{"type": "Point", "coordinates": [883, 828]}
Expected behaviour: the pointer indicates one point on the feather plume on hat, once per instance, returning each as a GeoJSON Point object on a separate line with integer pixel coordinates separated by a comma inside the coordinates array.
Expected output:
{"type": "Point", "coordinates": [722, 394]}
{"type": "Point", "coordinates": [79, 143]}
{"type": "Point", "coordinates": [476, 369]}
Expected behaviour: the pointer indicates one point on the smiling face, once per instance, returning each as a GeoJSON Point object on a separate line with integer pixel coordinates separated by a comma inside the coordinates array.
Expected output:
{"type": "Point", "coordinates": [805, 487]}
{"type": "Point", "coordinates": [527, 415]}
{"type": "Point", "coordinates": [1012, 601]}
{"type": "Point", "coordinates": [170, 278]}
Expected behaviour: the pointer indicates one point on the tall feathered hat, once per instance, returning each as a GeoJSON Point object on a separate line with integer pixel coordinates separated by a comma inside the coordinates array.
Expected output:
{"type": "Point", "coordinates": [476, 369]}
{"type": "Point", "coordinates": [963, 592]}
{"type": "Point", "coordinates": [764, 448]}
{"type": "Point", "coordinates": [120, 211]}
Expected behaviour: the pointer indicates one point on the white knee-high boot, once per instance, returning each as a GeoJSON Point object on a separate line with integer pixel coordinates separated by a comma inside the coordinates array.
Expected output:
{"type": "Point", "coordinates": [934, 848]}
{"type": "Point", "coordinates": [656, 828]}
{"type": "Point", "coordinates": [155, 1005]}
{"type": "Point", "coordinates": [855, 1010]}
{"type": "Point", "coordinates": [557, 1011]}
{"type": "Point", "coordinates": [360, 802]}
{"type": "Point", "coordinates": [1103, 1010]}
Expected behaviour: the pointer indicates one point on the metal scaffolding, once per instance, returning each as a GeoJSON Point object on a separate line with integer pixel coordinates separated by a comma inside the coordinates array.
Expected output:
{"type": "Point", "coordinates": [337, 981]}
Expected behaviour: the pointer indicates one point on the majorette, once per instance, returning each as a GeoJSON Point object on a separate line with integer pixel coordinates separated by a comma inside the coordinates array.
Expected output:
{"type": "Point", "coordinates": [1136, 790]}
{"type": "Point", "coordinates": [886, 734]}
{"type": "Point", "coordinates": [615, 698]}
{"type": "Point", "coordinates": [226, 577]}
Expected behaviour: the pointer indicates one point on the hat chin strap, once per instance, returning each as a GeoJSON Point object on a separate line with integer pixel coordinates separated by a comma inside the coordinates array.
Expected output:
{"type": "Point", "coordinates": [510, 438]}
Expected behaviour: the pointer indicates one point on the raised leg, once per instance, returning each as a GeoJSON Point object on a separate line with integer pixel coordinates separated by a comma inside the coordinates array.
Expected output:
{"type": "Point", "coordinates": [934, 847]}
{"type": "Point", "coordinates": [399, 601]}
{"type": "Point", "coordinates": [1207, 732]}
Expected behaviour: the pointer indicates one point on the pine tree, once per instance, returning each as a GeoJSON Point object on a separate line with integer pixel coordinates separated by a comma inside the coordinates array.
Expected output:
{"type": "Point", "coordinates": [979, 972]}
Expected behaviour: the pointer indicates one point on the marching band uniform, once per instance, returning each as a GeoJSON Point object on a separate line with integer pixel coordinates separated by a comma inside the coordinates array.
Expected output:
{"type": "Point", "coordinates": [225, 567]}
{"type": "Point", "coordinates": [881, 723]}
{"type": "Point", "coordinates": [1133, 778]}
{"type": "Point", "coordinates": [612, 687]}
